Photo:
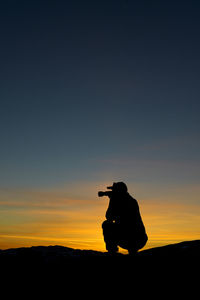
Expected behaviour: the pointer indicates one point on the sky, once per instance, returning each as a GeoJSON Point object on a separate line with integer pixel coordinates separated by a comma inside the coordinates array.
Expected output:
{"type": "Point", "coordinates": [94, 92]}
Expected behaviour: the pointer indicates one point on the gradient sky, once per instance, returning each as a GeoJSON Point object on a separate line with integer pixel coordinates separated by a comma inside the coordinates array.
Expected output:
{"type": "Point", "coordinates": [94, 92]}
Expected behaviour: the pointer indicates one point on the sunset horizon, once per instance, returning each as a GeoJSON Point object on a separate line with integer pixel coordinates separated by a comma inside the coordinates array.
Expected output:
{"type": "Point", "coordinates": [96, 92]}
{"type": "Point", "coordinates": [54, 219]}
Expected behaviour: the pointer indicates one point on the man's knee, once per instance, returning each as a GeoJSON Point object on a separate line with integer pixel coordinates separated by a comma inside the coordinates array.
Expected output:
{"type": "Point", "coordinates": [104, 224]}
{"type": "Point", "coordinates": [107, 224]}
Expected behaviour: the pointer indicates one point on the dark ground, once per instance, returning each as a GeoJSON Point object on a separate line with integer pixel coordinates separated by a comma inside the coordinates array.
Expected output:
{"type": "Point", "coordinates": [52, 270]}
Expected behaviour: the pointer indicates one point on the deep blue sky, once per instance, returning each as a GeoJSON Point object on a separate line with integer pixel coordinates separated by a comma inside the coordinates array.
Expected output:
{"type": "Point", "coordinates": [95, 88]}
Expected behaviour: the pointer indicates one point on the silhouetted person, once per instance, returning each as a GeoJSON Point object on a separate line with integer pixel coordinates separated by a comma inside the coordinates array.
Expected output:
{"type": "Point", "coordinates": [123, 226]}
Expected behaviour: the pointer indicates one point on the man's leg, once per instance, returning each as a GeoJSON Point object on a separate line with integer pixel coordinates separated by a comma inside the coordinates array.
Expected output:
{"type": "Point", "coordinates": [110, 236]}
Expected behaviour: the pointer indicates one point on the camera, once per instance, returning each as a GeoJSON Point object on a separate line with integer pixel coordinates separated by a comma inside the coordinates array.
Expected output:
{"type": "Point", "coordinates": [107, 193]}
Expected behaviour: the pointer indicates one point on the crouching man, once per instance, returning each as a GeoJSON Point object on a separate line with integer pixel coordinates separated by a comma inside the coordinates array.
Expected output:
{"type": "Point", "coordinates": [123, 225]}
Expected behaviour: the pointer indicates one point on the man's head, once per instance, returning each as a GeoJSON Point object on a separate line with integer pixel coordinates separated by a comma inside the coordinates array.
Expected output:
{"type": "Point", "coordinates": [118, 187]}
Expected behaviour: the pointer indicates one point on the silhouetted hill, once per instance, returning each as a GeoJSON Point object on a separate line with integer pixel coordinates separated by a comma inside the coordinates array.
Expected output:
{"type": "Point", "coordinates": [57, 254]}
{"type": "Point", "coordinates": [60, 256]}
{"type": "Point", "coordinates": [183, 249]}
{"type": "Point", "coordinates": [172, 268]}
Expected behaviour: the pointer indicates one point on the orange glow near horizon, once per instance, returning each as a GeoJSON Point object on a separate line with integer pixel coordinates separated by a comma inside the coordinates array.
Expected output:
{"type": "Point", "coordinates": [53, 219]}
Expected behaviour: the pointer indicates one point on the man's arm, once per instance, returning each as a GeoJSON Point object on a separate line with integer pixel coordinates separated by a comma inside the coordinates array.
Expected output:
{"type": "Point", "coordinates": [109, 212]}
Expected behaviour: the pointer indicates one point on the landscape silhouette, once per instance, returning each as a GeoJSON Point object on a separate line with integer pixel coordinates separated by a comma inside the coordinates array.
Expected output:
{"type": "Point", "coordinates": [124, 228]}
{"type": "Point", "coordinates": [43, 268]}
{"type": "Point", "coordinates": [51, 269]}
